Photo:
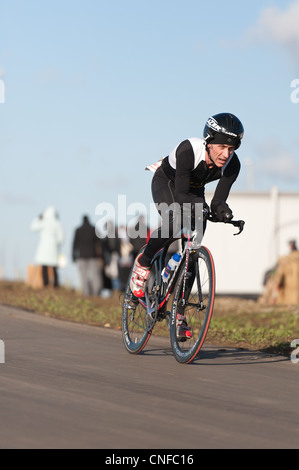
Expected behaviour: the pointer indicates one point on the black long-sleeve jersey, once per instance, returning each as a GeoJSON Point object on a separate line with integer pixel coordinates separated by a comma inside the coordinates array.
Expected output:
{"type": "Point", "coordinates": [186, 167]}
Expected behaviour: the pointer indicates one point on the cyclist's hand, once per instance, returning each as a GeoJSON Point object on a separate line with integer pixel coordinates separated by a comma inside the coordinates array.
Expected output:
{"type": "Point", "coordinates": [223, 212]}
{"type": "Point", "coordinates": [228, 216]}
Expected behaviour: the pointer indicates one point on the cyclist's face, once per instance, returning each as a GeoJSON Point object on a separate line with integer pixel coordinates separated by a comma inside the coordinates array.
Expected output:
{"type": "Point", "coordinates": [220, 153]}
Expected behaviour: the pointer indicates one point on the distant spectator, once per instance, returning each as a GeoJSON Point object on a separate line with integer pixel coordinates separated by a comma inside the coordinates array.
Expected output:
{"type": "Point", "coordinates": [293, 246]}
{"type": "Point", "coordinates": [270, 272]}
{"type": "Point", "coordinates": [51, 239]}
{"type": "Point", "coordinates": [282, 286]}
{"type": "Point", "coordinates": [87, 254]}
{"type": "Point", "coordinates": [111, 254]}
{"type": "Point", "coordinates": [126, 257]}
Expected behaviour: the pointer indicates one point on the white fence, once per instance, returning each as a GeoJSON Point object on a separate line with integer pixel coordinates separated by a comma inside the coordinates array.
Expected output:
{"type": "Point", "coordinates": [271, 220]}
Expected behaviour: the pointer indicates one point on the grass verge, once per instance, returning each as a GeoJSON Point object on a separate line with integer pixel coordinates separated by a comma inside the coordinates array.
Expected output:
{"type": "Point", "coordinates": [236, 322]}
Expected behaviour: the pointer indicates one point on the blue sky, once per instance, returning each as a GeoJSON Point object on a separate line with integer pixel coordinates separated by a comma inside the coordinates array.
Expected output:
{"type": "Point", "coordinates": [96, 90]}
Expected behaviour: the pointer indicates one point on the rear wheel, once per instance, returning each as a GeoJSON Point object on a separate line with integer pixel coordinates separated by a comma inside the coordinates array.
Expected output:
{"type": "Point", "coordinates": [194, 299]}
{"type": "Point", "coordinates": [137, 324]}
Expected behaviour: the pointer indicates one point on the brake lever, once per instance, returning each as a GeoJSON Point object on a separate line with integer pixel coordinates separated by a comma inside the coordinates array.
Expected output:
{"type": "Point", "coordinates": [238, 223]}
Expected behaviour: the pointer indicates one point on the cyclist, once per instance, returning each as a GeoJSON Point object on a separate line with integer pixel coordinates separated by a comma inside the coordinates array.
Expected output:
{"type": "Point", "coordinates": [181, 178]}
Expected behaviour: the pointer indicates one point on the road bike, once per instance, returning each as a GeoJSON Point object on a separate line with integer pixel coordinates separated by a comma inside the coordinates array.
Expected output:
{"type": "Point", "coordinates": [193, 287]}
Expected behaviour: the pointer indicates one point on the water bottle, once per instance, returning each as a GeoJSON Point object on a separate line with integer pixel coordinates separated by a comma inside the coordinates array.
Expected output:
{"type": "Point", "coordinates": [172, 263]}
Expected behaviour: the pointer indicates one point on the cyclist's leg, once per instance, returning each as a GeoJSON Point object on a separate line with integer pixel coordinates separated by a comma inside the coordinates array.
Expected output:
{"type": "Point", "coordinates": [163, 196]}
{"type": "Point", "coordinates": [162, 237]}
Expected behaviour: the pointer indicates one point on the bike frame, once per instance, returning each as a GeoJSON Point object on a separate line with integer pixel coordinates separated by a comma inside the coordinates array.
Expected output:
{"type": "Point", "coordinates": [152, 307]}
{"type": "Point", "coordinates": [164, 290]}
{"type": "Point", "coordinates": [191, 244]}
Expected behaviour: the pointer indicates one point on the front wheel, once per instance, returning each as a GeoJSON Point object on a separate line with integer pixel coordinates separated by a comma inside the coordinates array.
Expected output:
{"type": "Point", "coordinates": [193, 299]}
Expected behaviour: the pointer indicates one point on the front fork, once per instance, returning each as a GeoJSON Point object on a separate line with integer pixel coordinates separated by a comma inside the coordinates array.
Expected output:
{"type": "Point", "coordinates": [191, 272]}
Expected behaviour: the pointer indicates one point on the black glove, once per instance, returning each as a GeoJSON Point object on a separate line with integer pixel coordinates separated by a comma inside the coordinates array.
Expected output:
{"type": "Point", "coordinates": [223, 212]}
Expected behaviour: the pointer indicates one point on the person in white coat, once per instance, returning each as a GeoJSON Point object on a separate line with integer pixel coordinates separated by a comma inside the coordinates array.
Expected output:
{"type": "Point", "coordinates": [51, 238]}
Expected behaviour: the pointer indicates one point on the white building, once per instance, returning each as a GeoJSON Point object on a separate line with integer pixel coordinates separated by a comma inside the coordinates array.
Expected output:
{"type": "Point", "coordinates": [271, 221]}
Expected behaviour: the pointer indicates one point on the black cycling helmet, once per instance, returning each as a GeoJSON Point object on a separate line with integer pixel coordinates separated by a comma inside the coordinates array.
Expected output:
{"type": "Point", "coordinates": [224, 128]}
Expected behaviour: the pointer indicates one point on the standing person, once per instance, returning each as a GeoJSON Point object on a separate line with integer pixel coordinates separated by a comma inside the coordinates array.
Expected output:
{"type": "Point", "coordinates": [51, 239]}
{"type": "Point", "coordinates": [293, 246]}
{"type": "Point", "coordinates": [126, 258]}
{"type": "Point", "coordinates": [87, 253]}
{"type": "Point", "coordinates": [181, 178]}
{"type": "Point", "coordinates": [111, 254]}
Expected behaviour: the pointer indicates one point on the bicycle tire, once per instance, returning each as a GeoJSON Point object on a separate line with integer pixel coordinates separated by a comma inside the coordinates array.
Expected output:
{"type": "Point", "coordinates": [136, 326]}
{"type": "Point", "coordinates": [198, 318]}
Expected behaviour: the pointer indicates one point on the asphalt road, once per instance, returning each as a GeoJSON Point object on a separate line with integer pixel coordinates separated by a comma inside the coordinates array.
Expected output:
{"type": "Point", "coordinates": [73, 386]}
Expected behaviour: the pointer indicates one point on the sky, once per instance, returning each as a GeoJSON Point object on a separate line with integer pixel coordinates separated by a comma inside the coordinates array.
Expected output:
{"type": "Point", "coordinates": [91, 92]}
